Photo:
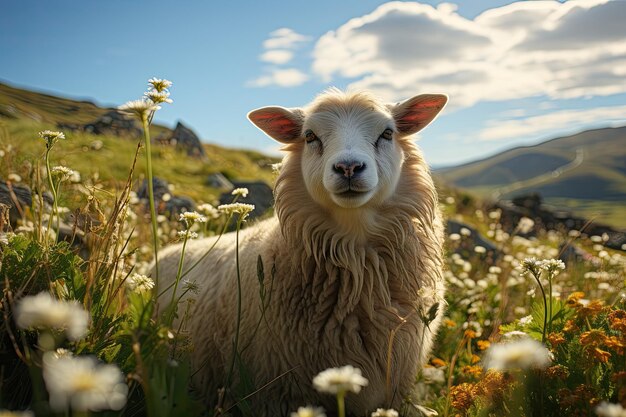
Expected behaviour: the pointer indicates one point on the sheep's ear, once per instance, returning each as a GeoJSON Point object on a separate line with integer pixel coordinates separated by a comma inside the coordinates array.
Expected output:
{"type": "Point", "coordinates": [416, 113]}
{"type": "Point", "coordinates": [282, 124]}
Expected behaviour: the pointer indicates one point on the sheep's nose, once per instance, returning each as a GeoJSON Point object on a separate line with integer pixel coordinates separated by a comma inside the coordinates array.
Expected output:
{"type": "Point", "coordinates": [349, 168]}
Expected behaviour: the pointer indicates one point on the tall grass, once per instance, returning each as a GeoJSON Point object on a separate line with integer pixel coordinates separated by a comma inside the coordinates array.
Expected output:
{"type": "Point", "coordinates": [140, 356]}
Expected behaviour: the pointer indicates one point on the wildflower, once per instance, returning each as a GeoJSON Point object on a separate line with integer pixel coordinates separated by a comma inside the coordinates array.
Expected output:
{"type": "Point", "coordinates": [159, 84]}
{"type": "Point", "coordinates": [309, 411]}
{"type": "Point", "coordinates": [605, 409]}
{"type": "Point", "coordinates": [243, 192]}
{"type": "Point", "coordinates": [139, 108]}
{"type": "Point", "coordinates": [340, 380]}
{"type": "Point", "coordinates": [617, 320]}
{"type": "Point", "coordinates": [191, 286]}
{"type": "Point", "coordinates": [483, 344]}
{"type": "Point", "coordinates": [381, 412]}
{"type": "Point", "coordinates": [191, 217]}
{"type": "Point", "coordinates": [186, 234]}
{"type": "Point", "coordinates": [556, 339]}
{"type": "Point", "coordinates": [514, 333]}
{"type": "Point", "coordinates": [13, 177]}
{"type": "Point", "coordinates": [64, 173]}
{"type": "Point", "coordinates": [81, 383]}
{"type": "Point", "coordinates": [240, 208]}
{"type": "Point", "coordinates": [557, 371]}
{"type": "Point", "coordinates": [41, 311]}
{"type": "Point", "coordinates": [465, 231]}
{"type": "Point", "coordinates": [454, 237]}
{"type": "Point", "coordinates": [599, 354]}
{"type": "Point", "coordinates": [531, 265]}
{"type": "Point", "coordinates": [474, 370]}
{"type": "Point", "coordinates": [139, 283]}
{"type": "Point", "coordinates": [62, 353]}
{"type": "Point", "coordinates": [520, 354]}
{"type": "Point", "coordinates": [462, 396]}
{"type": "Point", "coordinates": [589, 309]}
{"type": "Point", "coordinates": [480, 249]}
{"type": "Point", "coordinates": [525, 225]}
{"type": "Point", "coordinates": [158, 97]}
{"type": "Point", "coordinates": [208, 210]}
{"type": "Point", "coordinates": [524, 321]}
{"type": "Point", "coordinates": [552, 266]}
{"type": "Point", "coordinates": [437, 362]}
{"type": "Point", "coordinates": [51, 137]}
{"type": "Point", "coordinates": [593, 338]}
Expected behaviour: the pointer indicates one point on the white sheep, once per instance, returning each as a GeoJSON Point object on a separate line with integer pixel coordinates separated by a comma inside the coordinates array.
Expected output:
{"type": "Point", "coordinates": [356, 246]}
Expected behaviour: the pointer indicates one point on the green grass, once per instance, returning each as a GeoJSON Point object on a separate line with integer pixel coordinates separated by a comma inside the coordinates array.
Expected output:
{"type": "Point", "coordinates": [111, 162]}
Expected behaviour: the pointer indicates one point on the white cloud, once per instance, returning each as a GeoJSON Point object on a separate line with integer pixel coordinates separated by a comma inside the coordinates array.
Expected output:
{"type": "Point", "coordinates": [277, 56]}
{"type": "Point", "coordinates": [284, 38]}
{"type": "Point", "coordinates": [545, 124]}
{"type": "Point", "coordinates": [289, 77]}
{"type": "Point", "coordinates": [279, 50]}
{"type": "Point", "coordinates": [525, 49]}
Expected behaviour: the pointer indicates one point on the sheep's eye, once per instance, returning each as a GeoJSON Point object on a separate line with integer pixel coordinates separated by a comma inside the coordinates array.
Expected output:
{"type": "Point", "coordinates": [387, 134]}
{"type": "Point", "coordinates": [310, 136]}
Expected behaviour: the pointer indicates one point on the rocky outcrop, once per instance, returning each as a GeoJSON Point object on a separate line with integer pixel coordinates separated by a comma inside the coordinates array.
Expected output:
{"type": "Point", "coordinates": [185, 139]}
{"type": "Point", "coordinates": [259, 194]}
{"type": "Point", "coordinates": [113, 123]}
{"type": "Point", "coordinates": [531, 206]}
{"type": "Point", "coordinates": [165, 202]}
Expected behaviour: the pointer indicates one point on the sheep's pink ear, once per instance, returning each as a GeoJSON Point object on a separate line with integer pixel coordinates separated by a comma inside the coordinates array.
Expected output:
{"type": "Point", "coordinates": [416, 113]}
{"type": "Point", "coordinates": [279, 123]}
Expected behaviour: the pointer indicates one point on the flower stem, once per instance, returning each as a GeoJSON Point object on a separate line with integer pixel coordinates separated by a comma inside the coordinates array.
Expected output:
{"type": "Point", "coordinates": [153, 216]}
{"type": "Point", "coordinates": [53, 191]}
{"type": "Point", "coordinates": [341, 404]}
{"type": "Point", "coordinates": [545, 307]}
{"type": "Point", "coordinates": [238, 325]}
{"type": "Point", "coordinates": [172, 308]}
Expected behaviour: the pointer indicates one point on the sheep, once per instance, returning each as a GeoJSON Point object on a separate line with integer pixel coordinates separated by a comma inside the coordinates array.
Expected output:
{"type": "Point", "coordinates": [356, 250]}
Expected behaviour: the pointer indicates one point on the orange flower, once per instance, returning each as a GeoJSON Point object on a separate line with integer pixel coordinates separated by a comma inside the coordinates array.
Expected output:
{"type": "Point", "coordinates": [591, 309]}
{"type": "Point", "coordinates": [572, 300]}
{"type": "Point", "coordinates": [438, 363]}
{"type": "Point", "coordinates": [556, 339]}
{"type": "Point", "coordinates": [474, 359]}
{"type": "Point", "coordinates": [601, 355]}
{"type": "Point", "coordinates": [449, 323]}
{"type": "Point", "coordinates": [462, 396]}
{"type": "Point", "coordinates": [617, 320]}
{"type": "Point", "coordinates": [557, 371]}
{"type": "Point", "coordinates": [570, 326]}
{"type": "Point", "coordinates": [593, 338]}
{"type": "Point", "coordinates": [470, 334]}
{"type": "Point", "coordinates": [483, 344]}
{"type": "Point", "coordinates": [494, 385]}
{"type": "Point", "coordinates": [475, 370]}
{"type": "Point", "coordinates": [613, 342]}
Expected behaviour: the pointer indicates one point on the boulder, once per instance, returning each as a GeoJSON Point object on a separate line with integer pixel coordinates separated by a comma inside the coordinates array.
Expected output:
{"type": "Point", "coordinates": [185, 139]}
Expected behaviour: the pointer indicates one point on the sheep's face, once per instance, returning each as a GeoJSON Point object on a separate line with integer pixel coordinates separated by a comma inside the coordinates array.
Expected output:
{"type": "Point", "coordinates": [350, 156]}
{"type": "Point", "coordinates": [349, 144]}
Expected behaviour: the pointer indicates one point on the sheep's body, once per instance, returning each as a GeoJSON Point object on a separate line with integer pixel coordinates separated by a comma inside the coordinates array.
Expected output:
{"type": "Point", "coordinates": [350, 286]}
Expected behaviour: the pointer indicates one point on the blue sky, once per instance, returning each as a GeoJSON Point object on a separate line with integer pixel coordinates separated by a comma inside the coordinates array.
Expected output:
{"type": "Point", "coordinates": [517, 73]}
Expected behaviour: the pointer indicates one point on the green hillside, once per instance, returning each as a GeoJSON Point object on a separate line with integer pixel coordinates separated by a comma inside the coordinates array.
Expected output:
{"type": "Point", "coordinates": [585, 173]}
{"type": "Point", "coordinates": [24, 113]}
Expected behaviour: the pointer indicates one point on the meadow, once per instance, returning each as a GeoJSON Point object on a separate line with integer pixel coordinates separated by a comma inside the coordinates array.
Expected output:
{"type": "Point", "coordinates": [524, 334]}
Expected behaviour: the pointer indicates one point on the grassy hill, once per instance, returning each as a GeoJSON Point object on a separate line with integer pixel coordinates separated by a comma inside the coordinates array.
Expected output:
{"type": "Point", "coordinates": [23, 113]}
{"type": "Point", "coordinates": [585, 173]}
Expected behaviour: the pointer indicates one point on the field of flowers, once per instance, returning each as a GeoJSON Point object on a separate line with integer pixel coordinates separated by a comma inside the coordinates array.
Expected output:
{"type": "Point", "coordinates": [525, 334]}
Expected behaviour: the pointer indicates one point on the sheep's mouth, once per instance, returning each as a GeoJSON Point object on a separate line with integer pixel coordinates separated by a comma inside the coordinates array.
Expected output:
{"type": "Point", "coordinates": [351, 194]}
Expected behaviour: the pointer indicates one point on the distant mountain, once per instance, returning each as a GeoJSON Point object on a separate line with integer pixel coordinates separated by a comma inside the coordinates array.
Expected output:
{"type": "Point", "coordinates": [585, 173]}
